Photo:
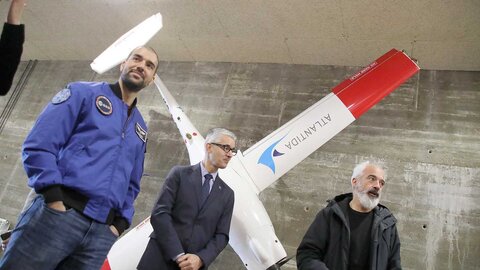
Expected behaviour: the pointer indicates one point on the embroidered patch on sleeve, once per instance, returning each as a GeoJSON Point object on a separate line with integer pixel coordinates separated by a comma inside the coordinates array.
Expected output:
{"type": "Point", "coordinates": [62, 96]}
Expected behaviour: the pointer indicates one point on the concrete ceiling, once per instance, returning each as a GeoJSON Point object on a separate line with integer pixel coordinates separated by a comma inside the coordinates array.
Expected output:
{"type": "Point", "coordinates": [441, 34]}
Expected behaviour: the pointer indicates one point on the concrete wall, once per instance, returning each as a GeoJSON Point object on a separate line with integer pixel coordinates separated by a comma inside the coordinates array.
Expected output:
{"type": "Point", "coordinates": [425, 134]}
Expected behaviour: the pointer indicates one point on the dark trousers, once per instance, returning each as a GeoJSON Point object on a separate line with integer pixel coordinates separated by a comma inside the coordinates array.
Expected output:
{"type": "Point", "coordinates": [46, 239]}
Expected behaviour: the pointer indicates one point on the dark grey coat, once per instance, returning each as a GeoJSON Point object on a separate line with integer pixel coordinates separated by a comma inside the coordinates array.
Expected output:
{"type": "Point", "coordinates": [326, 244]}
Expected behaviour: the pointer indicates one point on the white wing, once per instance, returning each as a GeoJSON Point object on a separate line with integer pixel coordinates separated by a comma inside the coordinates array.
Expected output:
{"type": "Point", "coordinates": [283, 149]}
{"type": "Point", "coordinates": [287, 146]}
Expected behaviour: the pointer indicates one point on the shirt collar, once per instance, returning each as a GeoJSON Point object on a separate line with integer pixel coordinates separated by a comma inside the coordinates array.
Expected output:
{"type": "Point", "coordinates": [204, 171]}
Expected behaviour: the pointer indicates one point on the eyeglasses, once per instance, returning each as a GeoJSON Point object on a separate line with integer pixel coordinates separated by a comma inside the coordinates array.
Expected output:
{"type": "Point", "coordinates": [226, 148]}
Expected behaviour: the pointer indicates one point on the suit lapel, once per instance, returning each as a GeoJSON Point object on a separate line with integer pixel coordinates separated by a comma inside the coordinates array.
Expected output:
{"type": "Point", "coordinates": [196, 180]}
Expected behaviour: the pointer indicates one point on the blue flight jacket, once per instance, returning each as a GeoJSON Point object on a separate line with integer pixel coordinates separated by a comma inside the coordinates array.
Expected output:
{"type": "Point", "coordinates": [84, 142]}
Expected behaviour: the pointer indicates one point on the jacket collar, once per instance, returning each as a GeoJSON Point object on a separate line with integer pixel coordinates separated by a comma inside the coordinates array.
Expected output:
{"type": "Point", "coordinates": [382, 214]}
{"type": "Point", "coordinates": [118, 92]}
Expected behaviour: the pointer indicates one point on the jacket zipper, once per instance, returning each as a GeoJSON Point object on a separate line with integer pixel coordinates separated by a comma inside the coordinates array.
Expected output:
{"type": "Point", "coordinates": [126, 124]}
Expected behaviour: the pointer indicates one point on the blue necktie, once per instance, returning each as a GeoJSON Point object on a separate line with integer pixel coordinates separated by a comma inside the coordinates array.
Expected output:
{"type": "Point", "coordinates": [206, 187]}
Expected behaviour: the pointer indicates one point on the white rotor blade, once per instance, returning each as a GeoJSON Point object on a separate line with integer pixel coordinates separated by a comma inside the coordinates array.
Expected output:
{"type": "Point", "coordinates": [119, 50]}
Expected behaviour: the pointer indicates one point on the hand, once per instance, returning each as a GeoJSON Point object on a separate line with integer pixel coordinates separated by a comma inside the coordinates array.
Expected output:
{"type": "Point", "coordinates": [189, 262]}
{"type": "Point", "coordinates": [57, 205]}
{"type": "Point", "coordinates": [114, 230]}
{"type": "Point", "coordinates": [4, 243]}
{"type": "Point", "coordinates": [15, 11]}
{"type": "Point", "coordinates": [5, 238]}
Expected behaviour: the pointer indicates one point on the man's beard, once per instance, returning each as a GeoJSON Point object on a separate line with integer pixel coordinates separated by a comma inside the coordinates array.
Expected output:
{"type": "Point", "coordinates": [132, 85]}
{"type": "Point", "coordinates": [365, 200]}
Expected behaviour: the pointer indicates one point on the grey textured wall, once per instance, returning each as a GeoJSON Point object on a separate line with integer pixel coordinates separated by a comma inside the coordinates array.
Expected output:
{"type": "Point", "coordinates": [425, 134]}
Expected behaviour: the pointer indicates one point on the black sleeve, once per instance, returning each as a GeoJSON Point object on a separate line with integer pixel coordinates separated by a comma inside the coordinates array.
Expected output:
{"type": "Point", "coordinates": [394, 261]}
{"type": "Point", "coordinates": [11, 48]}
{"type": "Point", "coordinates": [311, 252]}
{"type": "Point", "coordinates": [121, 224]}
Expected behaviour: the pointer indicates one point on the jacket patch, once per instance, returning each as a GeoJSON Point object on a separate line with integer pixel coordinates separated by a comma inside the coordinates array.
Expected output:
{"type": "Point", "coordinates": [61, 96]}
{"type": "Point", "coordinates": [104, 105]}
{"type": "Point", "coordinates": [141, 133]}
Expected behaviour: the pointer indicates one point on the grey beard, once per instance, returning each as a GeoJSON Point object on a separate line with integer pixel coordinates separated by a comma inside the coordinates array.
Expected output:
{"type": "Point", "coordinates": [365, 200]}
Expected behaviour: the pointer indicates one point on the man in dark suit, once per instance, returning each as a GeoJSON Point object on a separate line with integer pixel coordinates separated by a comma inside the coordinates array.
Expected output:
{"type": "Point", "coordinates": [191, 219]}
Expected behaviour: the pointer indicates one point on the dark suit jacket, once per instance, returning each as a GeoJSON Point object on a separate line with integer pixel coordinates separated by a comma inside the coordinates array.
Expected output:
{"type": "Point", "coordinates": [181, 224]}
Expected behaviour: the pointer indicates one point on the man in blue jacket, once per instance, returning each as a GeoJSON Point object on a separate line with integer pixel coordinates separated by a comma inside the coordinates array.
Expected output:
{"type": "Point", "coordinates": [84, 158]}
{"type": "Point", "coordinates": [353, 231]}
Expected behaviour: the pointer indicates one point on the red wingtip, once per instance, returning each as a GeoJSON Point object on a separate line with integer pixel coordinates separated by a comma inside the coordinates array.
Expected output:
{"type": "Point", "coordinates": [363, 90]}
{"type": "Point", "coordinates": [106, 265]}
